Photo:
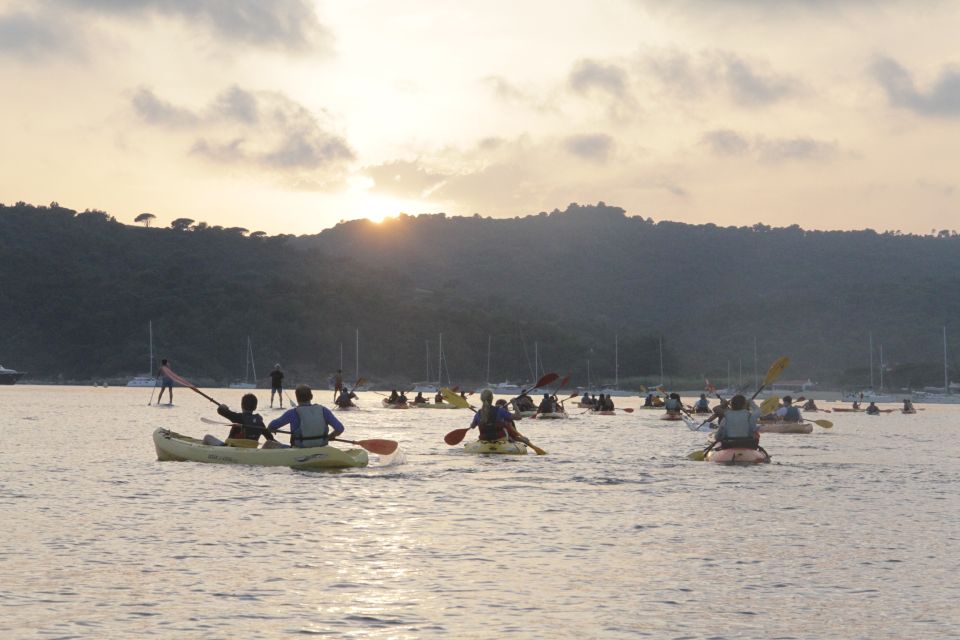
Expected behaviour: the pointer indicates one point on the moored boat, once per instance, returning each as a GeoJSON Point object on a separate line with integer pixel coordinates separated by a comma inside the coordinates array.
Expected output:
{"type": "Point", "coordinates": [737, 456]}
{"type": "Point", "coordinates": [9, 376]}
{"type": "Point", "coordinates": [172, 446]}
{"type": "Point", "coordinates": [503, 446]}
{"type": "Point", "coordinates": [785, 427]}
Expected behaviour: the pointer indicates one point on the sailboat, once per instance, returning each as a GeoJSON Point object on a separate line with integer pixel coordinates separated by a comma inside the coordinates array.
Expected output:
{"type": "Point", "coordinates": [501, 388]}
{"type": "Point", "coordinates": [429, 386]}
{"type": "Point", "coordinates": [146, 379]}
{"type": "Point", "coordinates": [249, 367]}
{"type": "Point", "coordinates": [615, 390]}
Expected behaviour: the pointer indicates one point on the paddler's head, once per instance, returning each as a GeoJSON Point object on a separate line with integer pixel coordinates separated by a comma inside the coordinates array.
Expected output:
{"type": "Point", "coordinates": [303, 394]}
{"type": "Point", "coordinates": [738, 402]}
{"type": "Point", "coordinates": [248, 402]}
{"type": "Point", "coordinates": [486, 396]}
{"type": "Point", "coordinates": [787, 401]}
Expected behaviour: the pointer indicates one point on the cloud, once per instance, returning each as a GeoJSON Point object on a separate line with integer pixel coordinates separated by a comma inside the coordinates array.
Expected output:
{"type": "Point", "coordinates": [588, 76]}
{"type": "Point", "coordinates": [259, 129]}
{"type": "Point", "coordinates": [404, 178]}
{"type": "Point", "coordinates": [290, 25]}
{"type": "Point", "coordinates": [726, 142]}
{"type": "Point", "coordinates": [943, 98]}
{"type": "Point", "coordinates": [31, 37]}
{"type": "Point", "coordinates": [595, 147]}
{"type": "Point", "coordinates": [748, 87]}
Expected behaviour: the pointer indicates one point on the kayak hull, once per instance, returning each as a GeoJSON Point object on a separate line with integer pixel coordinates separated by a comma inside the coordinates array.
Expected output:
{"type": "Point", "coordinates": [430, 405]}
{"type": "Point", "coordinates": [671, 416]}
{"type": "Point", "coordinates": [556, 415]}
{"type": "Point", "coordinates": [526, 414]}
{"type": "Point", "coordinates": [736, 456]}
{"type": "Point", "coordinates": [172, 446]}
{"type": "Point", "coordinates": [503, 447]}
{"type": "Point", "coordinates": [786, 427]}
{"type": "Point", "coordinates": [389, 405]}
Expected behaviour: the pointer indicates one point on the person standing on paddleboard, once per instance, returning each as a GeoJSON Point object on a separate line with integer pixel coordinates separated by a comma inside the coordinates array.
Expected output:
{"type": "Point", "coordinates": [165, 382]}
{"type": "Point", "coordinates": [276, 384]}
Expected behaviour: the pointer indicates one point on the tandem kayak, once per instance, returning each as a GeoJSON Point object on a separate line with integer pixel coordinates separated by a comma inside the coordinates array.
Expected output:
{"type": "Point", "coordinates": [394, 405]}
{"type": "Point", "coordinates": [496, 446]}
{"type": "Point", "coordinates": [737, 456]}
{"type": "Point", "coordinates": [177, 447]}
{"type": "Point", "coordinates": [786, 427]}
{"type": "Point", "coordinates": [669, 415]}
{"type": "Point", "coordinates": [556, 415]}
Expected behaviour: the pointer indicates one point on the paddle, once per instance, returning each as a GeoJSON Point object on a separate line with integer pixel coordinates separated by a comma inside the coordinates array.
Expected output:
{"type": "Point", "coordinates": [456, 436]}
{"type": "Point", "coordinates": [373, 445]}
{"type": "Point", "coordinates": [170, 374]}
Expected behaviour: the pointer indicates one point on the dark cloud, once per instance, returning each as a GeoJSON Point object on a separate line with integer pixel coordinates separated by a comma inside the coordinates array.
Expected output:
{"type": "Point", "coordinates": [595, 147]}
{"type": "Point", "coordinates": [31, 37]}
{"type": "Point", "coordinates": [943, 98]}
{"type": "Point", "coordinates": [291, 25]}
{"type": "Point", "coordinates": [726, 142]}
{"type": "Point", "coordinates": [262, 129]}
{"type": "Point", "coordinates": [749, 87]}
{"type": "Point", "coordinates": [590, 75]}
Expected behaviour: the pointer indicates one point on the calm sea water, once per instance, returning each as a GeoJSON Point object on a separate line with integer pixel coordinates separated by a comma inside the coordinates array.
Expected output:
{"type": "Point", "coordinates": [852, 532]}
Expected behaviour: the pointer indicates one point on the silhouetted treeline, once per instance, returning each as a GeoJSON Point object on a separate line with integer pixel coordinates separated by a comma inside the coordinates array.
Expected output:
{"type": "Point", "coordinates": [79, 288]}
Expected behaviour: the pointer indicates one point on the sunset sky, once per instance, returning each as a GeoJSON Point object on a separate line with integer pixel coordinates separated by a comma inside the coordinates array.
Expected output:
{"type": "Point", "coordinates": [289, 116]}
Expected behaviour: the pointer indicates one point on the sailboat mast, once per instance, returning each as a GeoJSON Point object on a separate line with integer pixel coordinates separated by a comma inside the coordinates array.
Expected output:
{"type": "Point", "coordinates": [616, 361]}
{"type": "Point", "coordinates": [871, 359]}
{"type": "Point", "coordinates": [661, 361]}
{"type": "Point", "coordinates": [358, 354]}
{"type": "Point", "coordinates": [150, 332]}
{"type": "Point", "coordinates": [536, 361]}
{"type": "Point", "coordinates": [489, 337]}
{"type": "Point", "coordinates": [946, 375]}
{"type": "Point", "coordinates": [881, 368]}
{"type": "Point", "coordinates": [440, 361]}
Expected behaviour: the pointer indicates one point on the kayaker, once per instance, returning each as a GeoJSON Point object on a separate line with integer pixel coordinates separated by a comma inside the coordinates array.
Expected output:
{"type": "Point", "coordinates": [394, 397]}
{"type": "Point", "coordinates": [856, 406]}
{"type": "Point", "coordinates": [438, 399]}
{"type": "Point", "coordinates": [166, 382]}
{"type": "Point", "coordinates": [309, 423]}
{"type": "Point", "coordinates": [648, 401]}
{"type": "Point", "coordinates": [908, 406]}
{"type": "Point", "coordinates": [873, 409]}
{"type": "Point", "coordinates": [598, 405]}
{"type": "Point", "coordinates": [810, 405]}
{"type": "Point", "coordinates": [738, 426]}
{"type": "Point", "coordinates": [337, 384]}
{"type": "Point", "coordinates": [586, 398]}
{"type": "Point", "coordinates": [248, 426]}
{"type": "Point", "coordinates": [702, 405]}
{"type": "Point", "coordinates": [345, 399]}
{"type": "Point", "coordinates": [788, 412]}
{"type": "Point", "coordinates": [495, 422]}
{"type": "Point", "coordinates": [546, 405]}
{"type": "Point", "coordinates": [402, 398]}
{"type": "Point", "coordinates": [673, 404]}
{"type": "Point", "coordinates": [607, 403]}
{"type": "Point", "coordinates": [419, 399]}
{"type": "Point", "coordinates": [523, 402]}
{"type": "Point", "coordinates": [276, 384]}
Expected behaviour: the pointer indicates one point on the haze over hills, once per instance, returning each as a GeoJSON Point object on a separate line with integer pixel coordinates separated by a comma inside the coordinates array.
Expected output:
{"type": "Point", "coordinates": [79, 289]}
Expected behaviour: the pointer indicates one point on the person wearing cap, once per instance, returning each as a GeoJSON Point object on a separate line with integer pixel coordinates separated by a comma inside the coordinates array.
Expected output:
{"type": "Point", "coordinates": [310, 424]}
{"type": "Point", "coordinates": [495, 422]}
{"type": "Point", "coordinates": [276, 384]}
{"type": "Point", "coordinates": [788, 412]}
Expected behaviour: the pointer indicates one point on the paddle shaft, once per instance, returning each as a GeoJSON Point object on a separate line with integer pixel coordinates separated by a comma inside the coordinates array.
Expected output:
{"type": "Point", "coordinates": [186, 383]}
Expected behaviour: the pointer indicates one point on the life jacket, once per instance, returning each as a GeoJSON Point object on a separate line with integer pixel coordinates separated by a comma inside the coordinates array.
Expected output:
{"type": "Point", "coordinates": [792, 414]}
{"type": "Point", "coordinates": [492, 428]}
{"type": "Point", "coordinates": [672, 404]}
{"type": "Point", "coordinates": [703, 403]}
{"type": "Point", "coordinates": [248, 419]}
{"type": "Point", "coordinates": [313, 427]}
{"type": "Point", "coordinates": [736, 425]}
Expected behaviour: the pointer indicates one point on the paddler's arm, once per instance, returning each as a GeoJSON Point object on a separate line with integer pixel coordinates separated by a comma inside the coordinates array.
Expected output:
{"type": "Point", "coordinates": [332, 422]}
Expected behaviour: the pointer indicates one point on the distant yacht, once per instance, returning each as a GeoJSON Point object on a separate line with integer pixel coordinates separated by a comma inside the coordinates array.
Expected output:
{"type": "Point", "coordinates": [146, 379]}
{"type": "Point", "coordinates": [249, 368]}
{"type": "Point", "coordinates": [9, 376]}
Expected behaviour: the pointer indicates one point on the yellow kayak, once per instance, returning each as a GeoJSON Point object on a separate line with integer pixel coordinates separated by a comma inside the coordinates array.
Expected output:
{"type": "Point", "coordinates": [174, 446]}
{"type": "Point", "coordinates": [496, 446]}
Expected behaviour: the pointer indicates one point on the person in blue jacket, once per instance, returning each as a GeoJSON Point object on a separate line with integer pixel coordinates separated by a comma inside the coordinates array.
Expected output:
{"type": "Point", "coordinates": [310, 424]}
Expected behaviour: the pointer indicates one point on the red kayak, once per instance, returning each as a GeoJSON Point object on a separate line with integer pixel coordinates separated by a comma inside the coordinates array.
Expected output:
{"type": "Point", "coordinates": [669, 415]}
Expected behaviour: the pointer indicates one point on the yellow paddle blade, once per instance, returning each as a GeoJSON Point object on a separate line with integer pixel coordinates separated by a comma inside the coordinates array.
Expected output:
{"type": "Point", "coordinates": [826, 424]}
{"type": "Point", "coordinates": [769, 405]}
{"type": "Point", "coordinates": [775, 370]}
{"type": "Point", "coordinates": [538, 450]}
{"type": "Point", "coordinates": [699, 455]}
{"type": "Point", "coordinates": [454, 398]}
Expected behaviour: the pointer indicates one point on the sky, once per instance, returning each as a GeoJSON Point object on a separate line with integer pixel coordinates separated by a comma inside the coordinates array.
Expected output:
{"type": "Point", "coordinates": [291, 115]}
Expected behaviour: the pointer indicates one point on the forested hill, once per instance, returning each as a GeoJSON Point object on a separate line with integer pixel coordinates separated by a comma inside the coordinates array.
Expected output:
{"type": "Point", "coordinates": [77, 291]}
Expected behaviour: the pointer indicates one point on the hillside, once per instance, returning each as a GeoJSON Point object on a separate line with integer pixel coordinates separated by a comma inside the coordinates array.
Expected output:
{"type": "Point", "coordinates": [79, 288]}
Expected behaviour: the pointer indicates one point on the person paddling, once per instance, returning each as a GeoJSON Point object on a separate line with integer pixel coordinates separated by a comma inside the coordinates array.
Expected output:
{"type": "Point", "coordinates": [310, 424]}
{"type": "Point", "coordinates": [738, 427]}
{"type": "Point", "coordinates": [873, 409]}
{"type": "Point", "coordinates": [247, 425]}
{"type": "Point", "coordinates": [547, 405]}
{"type": "Point", "coordinates": [166, 382]}
{"type": "Point", "coordinates": [702, 405]}
{"type": "Point", "coordinates": [673, 404]}
{"type": "Point", "coordinates": [810, 405]}
{"type": "Point", "coordinates": [276, 384]}
{"type": "Point", "coordinates": [495, 422]}
{"type": "Point", "coordinates": [345, 399]}
{"type": "Point", "coordinates": [788, 412]}
{"type": "Point", "coordinates": [419, 399]}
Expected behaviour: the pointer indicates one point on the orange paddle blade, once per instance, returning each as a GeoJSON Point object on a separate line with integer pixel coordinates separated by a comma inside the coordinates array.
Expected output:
{"type": "Point", "coordinates": [455, 437]}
